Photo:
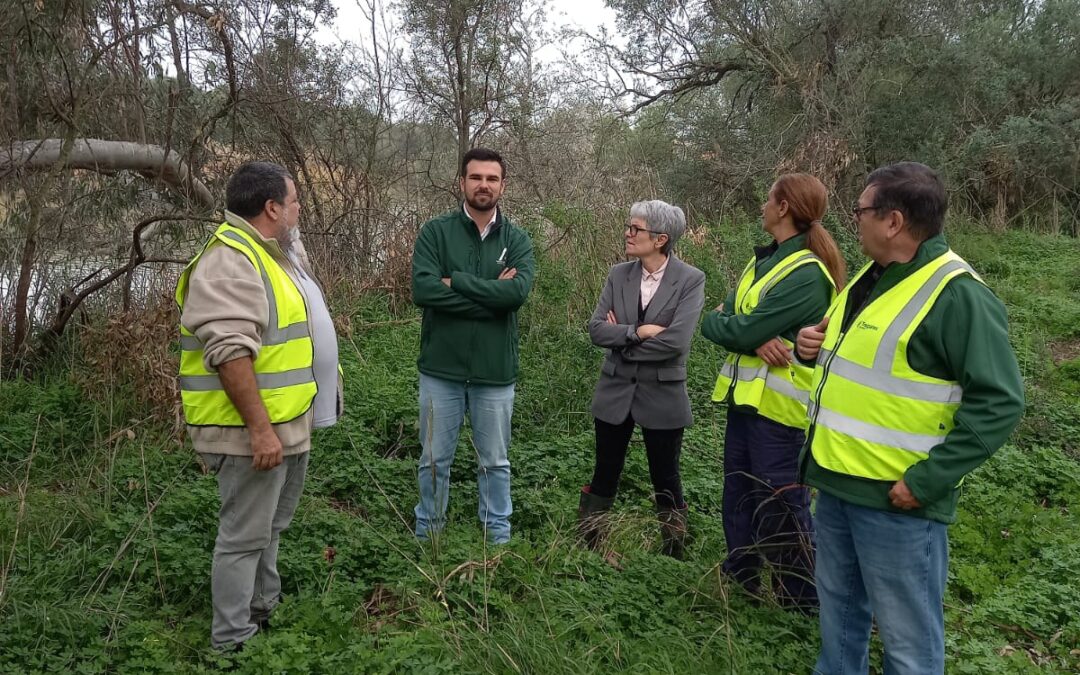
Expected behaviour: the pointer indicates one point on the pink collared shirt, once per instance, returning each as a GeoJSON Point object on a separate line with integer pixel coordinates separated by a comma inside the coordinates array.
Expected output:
{"type": "Point", "coordinates": [650, 282]}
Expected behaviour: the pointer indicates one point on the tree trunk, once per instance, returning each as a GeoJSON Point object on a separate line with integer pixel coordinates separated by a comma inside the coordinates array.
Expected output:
{"type": "Point", "coordinates": [22, 293]}
{"type": "Point", "coordinates": [151, 161]}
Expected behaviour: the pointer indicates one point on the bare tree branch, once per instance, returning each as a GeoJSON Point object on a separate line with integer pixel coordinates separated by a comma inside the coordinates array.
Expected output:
{"type": "Point", "coordinates": [151, 161]}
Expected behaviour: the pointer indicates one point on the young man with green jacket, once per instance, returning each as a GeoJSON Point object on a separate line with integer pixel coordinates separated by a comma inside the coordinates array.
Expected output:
{"type": "Point", "coordinates": [915, 385]}
{"type": "Point", "coordinates": [472, 270]}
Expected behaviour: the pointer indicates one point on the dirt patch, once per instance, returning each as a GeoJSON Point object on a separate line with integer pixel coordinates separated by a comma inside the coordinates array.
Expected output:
{"type": "Point", "coordinates": [384, 606]}
{"type": "Point", "coordinates": [1064, 350]}
{"type": "Point", "coordinates": [345, 506]}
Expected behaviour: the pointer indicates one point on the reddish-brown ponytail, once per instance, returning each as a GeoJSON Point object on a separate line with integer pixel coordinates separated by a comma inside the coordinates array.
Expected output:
{"type": "Point", "coordinates": [807, 201]}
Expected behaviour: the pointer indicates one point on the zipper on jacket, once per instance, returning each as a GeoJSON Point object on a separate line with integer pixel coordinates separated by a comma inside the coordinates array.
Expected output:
{"type": "Point", "coordinates": [478, 249]}
{"type": "Point", "coordinates": [734, 380]}
{"type": "Point", "coordinates": [828, 362]}
{"type": "Point", "coordinates": [495, 234]}
{"type": "Point", "coordinates": [824, 376]}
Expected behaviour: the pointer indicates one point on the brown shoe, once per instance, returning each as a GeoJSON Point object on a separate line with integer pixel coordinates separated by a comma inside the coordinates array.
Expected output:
{"type": "Point", "coordinates": [592, 517]}
{"type": "Point", "coordinates": [672, 530]}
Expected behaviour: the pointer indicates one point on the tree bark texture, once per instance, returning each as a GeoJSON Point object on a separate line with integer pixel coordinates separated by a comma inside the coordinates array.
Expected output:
{"type": "Point", "coordinates": [151, 161]}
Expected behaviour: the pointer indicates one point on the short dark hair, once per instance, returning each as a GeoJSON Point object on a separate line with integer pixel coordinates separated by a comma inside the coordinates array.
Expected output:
{"type": "Point", "coordinates": [482, 155]}
{"type": "Point", "coordinates": [253, 184]}
{"type": "Point", "coordinates": [914, 190]}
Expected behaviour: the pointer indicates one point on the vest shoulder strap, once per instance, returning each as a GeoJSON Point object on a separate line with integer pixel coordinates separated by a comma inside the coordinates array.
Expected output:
{"type": "Point", "coordinates": [806, 257]}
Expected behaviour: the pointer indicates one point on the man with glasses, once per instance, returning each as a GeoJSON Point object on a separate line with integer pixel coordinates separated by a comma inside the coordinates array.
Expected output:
{"type": "Point", "coordinates": [472, 270]}
{"type": "Point", "coordinates": [915, 385]}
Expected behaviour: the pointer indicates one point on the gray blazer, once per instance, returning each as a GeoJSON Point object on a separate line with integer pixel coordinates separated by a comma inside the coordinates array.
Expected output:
{"type": "Point", "coordinates": [646, 379]}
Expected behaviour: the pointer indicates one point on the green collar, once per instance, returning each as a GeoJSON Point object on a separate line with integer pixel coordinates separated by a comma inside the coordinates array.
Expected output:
{"type": "Point", "coordinates": [789, 246]}
{"type": "Point", "coordinates": [930, 249]}
{"type": "Point", "coordinates": [767, 256]}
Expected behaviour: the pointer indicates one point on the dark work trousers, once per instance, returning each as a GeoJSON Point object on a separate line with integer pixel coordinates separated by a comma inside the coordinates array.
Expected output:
{"type": "Point", "coordinates": [766, 511]}
{"type": "Point", "coordinates": [662, 447]}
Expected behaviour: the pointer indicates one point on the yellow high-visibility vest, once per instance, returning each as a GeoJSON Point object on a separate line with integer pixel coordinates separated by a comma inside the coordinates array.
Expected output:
{"type": "Point", "coordinates": [872, 414]}
{"type": "Point", "coordinates": [777, 393]}
{"type": "Point", "coordinates": [283, 368]}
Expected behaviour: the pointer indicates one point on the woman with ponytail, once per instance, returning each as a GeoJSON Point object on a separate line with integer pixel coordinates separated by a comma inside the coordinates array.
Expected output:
{"type": "Point", "coordinates": [787, 284]}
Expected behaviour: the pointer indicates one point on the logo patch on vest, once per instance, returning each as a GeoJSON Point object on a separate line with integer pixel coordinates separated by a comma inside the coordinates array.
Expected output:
{"type": "Point", "coordinates": [867, 326]}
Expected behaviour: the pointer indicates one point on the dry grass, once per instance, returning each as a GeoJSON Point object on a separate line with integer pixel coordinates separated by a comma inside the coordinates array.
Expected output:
{"type": "Point", "coordinates": [135, 349]}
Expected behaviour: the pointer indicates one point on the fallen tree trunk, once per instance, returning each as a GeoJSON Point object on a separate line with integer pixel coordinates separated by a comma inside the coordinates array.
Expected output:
{"type": "Point", "coordinates": [104, 156]}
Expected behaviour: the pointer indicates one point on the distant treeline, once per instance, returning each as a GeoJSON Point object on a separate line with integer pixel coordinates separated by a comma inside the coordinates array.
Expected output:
{"type": "Point", "coordinates": [147, 105]}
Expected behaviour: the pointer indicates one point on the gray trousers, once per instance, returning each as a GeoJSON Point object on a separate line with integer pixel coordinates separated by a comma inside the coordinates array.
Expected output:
{"type": "Point", "coordinates": [256, 506]}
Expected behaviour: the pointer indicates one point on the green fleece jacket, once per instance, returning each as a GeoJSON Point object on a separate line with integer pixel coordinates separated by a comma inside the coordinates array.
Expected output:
{"type": "Point", "coordinates": [800, 299]}
{"type": "Point", "coordinates": [965, 338]}
{"type": "Point", "coordinates": [469, 330]}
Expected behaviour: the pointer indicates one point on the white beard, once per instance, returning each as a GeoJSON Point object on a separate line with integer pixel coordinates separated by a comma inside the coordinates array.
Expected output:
{"type": "Point", "coordinates": [289, 240]}
{"type": "Point", "coordinates": [293, 247]}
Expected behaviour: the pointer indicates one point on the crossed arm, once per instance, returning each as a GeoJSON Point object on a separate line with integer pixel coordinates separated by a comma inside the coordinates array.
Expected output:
{"type": "Point", "coordinates": [428, 289]}
{"type": "Point", "coordinates": [675, 338]}
{"type": "Point", "coordinates": [801, 299]}
{"type": "Point", "coordinates": [506, 293]}
{"type": "Point", "coordinates": [604, 328]}
{"type": "Point", "coordinates": [465, 294]}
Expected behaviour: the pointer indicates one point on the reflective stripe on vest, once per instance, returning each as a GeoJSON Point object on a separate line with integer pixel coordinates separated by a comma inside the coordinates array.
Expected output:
{"type": "Point", "coordinates": [779, 394]}
{"type": "Point", "coordinates": [283, 368]}
{"type": "Point", "coordinates": [749, 373]}
{"type": "Point", "coordinates": [923, 391]}
{"type": "Point", "coordinates": [873, 415]}
{"type": "Point", "coordinates": [212, 382]}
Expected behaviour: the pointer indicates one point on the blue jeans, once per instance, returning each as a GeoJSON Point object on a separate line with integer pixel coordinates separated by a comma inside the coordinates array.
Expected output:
{"type": "Point", "coordinates": [887, 565]}
{"type": "Point", "coordinates": [442, 410]}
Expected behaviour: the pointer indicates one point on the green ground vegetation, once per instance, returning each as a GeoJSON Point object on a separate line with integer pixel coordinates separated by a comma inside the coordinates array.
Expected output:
{"type": "Point", "coordinates": [107, 521]}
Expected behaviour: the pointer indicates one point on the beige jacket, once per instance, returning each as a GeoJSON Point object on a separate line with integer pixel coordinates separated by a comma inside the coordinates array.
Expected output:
{"type": "Point", "coordinates": [227, 309]}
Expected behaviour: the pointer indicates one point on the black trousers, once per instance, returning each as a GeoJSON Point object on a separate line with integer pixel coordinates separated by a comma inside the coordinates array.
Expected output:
{"type": "Point", "coordinates": [766, 510]}
{"type": "Point", "coordinates": [662, 447]}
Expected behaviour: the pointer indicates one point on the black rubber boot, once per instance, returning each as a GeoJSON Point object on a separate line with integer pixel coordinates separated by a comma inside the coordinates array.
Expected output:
{"type": "Point", "coordinates": [592, 518]}
{"type": "Point", "coordinates": [672, 530]}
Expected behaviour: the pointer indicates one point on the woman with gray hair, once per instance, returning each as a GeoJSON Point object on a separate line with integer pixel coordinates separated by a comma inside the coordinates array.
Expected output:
{"type": "Point", "coordinates": [645, 318]}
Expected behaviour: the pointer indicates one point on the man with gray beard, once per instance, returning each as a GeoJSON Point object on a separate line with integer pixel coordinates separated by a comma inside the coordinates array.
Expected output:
{"type": "Point", "coordinates": [258, 371]}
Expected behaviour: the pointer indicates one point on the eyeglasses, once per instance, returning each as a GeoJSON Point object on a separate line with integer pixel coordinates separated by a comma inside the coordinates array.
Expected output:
{"type": "Point", "coordinates": [857, 211]}
{"type": "Point", "coordinates": [634, 229]}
